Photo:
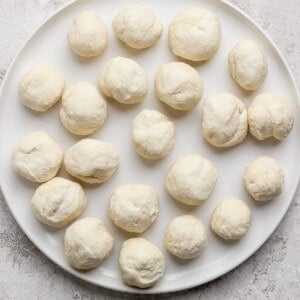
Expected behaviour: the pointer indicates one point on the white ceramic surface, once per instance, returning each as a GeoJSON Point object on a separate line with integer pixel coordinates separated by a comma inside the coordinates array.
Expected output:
{"type": "Point", "coordinates": [49, 44]}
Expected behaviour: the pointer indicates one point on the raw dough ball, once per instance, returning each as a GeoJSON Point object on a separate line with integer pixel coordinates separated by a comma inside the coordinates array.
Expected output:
{"type": "Point", "coordinates": [142, 263]}
{"type": "Point", "coordinates": [41, 87]}
{"type": "Point", "coordinates": [191, 179]}
{"type": "Point", "coordinates": [87, 243]}
{"type": "Point", "coordinates": [185, 237]}
{"type": "Point", "coordinates": [224, 121]}
{"type": "Point", "coordinates": [153, 134]}
{"type": "Point", "coordinates": [133, 208]}
{"type": "Point", "coordinates": [270, 116]}
{"type": "Point", "coordinates": [195, 34]}
{"type": "Point", "coordinates": [124, 80]}
{"type": "Point", "coordinates": [87, 36]}
{"type": "Point", "coordinates": [248, 65]}
{"type": "Point", "coordinates": [37, 157]}
{"type": "Point", "coordinates": [83, 109]}
{"type": "Point", "coordinates": [58, 202]}
{"type": "Point", "coordinates": [178, 85]}
{"type": "Point", "coordinates": [263, 179]}
{"type": "Point", "coordinates": [231, 219]}
{"type": "Point", "coordinates": [138, 27]}
{"type": "Point", "coordinates": [92, 161]}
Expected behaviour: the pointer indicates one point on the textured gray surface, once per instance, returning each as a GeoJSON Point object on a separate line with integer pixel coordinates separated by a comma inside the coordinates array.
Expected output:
{"type": "Point", "coordinates": [272, 273]}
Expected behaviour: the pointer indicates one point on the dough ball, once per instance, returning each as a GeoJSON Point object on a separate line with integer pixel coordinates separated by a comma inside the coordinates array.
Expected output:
{"type": "Point", "coordinates": [87, 243]}
{"type": "Point", "coordinates": [191, 179]}
{"type": "Point", "coordinates": [195, 34]}
{"type": "Point", "coordinates": [231, 219]}
{"type": "Point", "coordinates": [248, 65]}
{"type": "Point", "coordinates": [92, 161]}
{"type": "Point", "coordinates": [224, 122]}
{"type": "Point", "coordinates": [87, 36]}
{"type": "Point", "coordinates": [58, 202]}
{"type": "Point", "coordinates": [142, 263]}
{"type": "Point", "coordinates": [41, 87]}
{"type": "Point", "coordinates": [124, 80]}
{"type": "Point", "coordinates": [153, 134]}
{"type": "Point", "coordinates": [263, 179]}
{"type": "Point", "coordinates": [185, 237]}
{"type": "Point", "coordinates": [83, 109]}
{"type": "Point", "coordinates": [178, 85]}
{"type": "Point", "coordinates": [137, 27]}
{"type": "Point", "coordinates": [133, 207]}
{"type": "Point", "coordinates": [37, 157]}
{"type": "Point", "coordinates": [270, 116]}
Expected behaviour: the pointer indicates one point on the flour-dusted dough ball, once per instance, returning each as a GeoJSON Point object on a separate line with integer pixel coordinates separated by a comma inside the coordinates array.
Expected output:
{"type": "Point", "coordinates": [58, 202]}
{"type": "Point", "coordinates": [133, 207]}
{"type": "Point", "coordinates": [37, 157]}
{"type": "Point", "coordinates": [263, 179]}
{"type": "Point", "coordinates": [83, 110]}
{"type": "Point", "coordinates": [87, 36]}
{"type": "Point", "coordinates": [142, 263]}
{"type": "Point", "coordinates": [185, 237]}
{"type": "Point", "coordinates": [178, 85]}
{"type": "Point", "coordinates": [195, 34]}
{"type": "Point", "coordinates": [231, 219]}
{"type": "Point", "coordinates": [224, 122]}
{"type": "Point", "coordinates": [153, 134]}
{"type": "Point", "coordinates": [191, 179]}
{"type": "Point", "coordinates": [92, 161]}
{"type": "Point", "coordinates": [87, 243]}
{"type": "Point", "coordinates": [41, 87]}
{"type": "Point", "coordinates": [248, 65]}
{"type": "Point", "coordinates": [137, 27]}
{"type": "Point", "coordinates": [270, 116]}
{"type": "Point", "coordinates": [124, 80]}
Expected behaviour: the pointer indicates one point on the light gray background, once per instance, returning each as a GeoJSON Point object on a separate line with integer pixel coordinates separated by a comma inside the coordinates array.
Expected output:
{"type": "Point", "coordinates": [272, 273]}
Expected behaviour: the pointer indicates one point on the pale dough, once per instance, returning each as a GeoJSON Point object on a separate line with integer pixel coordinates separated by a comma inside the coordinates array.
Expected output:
{"type": "Point", "coordinates": [153, 134]}
{"type": "Point", "coordinates": [41, 87]}
{"type": "Point", "coordinates": [191, 179]}
{"type": "Point", "coordinates": [178, 85]}
{"type": "Point", "coordinates": [58, 202]}
{"type": "Point", "coordinates": [37, 157]}
{"type": "Point", "coordinates": [142, 263]}
{"type": "Point", "coordinates": [92, 161]}
{"type": "Point", "coordinates": [138, 27]}
{"type": "Point", "coordinates": [87, 243]}
{"type": "Point", "coordinates": [224, 122]}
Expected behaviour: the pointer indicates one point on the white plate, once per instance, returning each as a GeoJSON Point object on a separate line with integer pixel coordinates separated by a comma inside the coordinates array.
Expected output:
{"type": "Point", "coordinates": [49, 44]}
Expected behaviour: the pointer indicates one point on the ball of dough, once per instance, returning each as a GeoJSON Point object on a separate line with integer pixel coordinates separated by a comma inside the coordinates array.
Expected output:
{"type": "Point", "coordinates": [124, 80]}
{"type": "Point", "coordinates": [263, 179]}
{"type": "Point", "coordinates": [83, 109]}
{"type": "Point", "coordinates": [41, 87]}
{"type": "Point", "coordinates": [195, 34]}
{"type": "Point", "coordinates": [178, 85]}
{"type": "Point", "coordinates": [270, 116]}
{"type": "Point", "coordinates": [87, 243]}
{"type": "Point", "coordinates": [87, 36]}
{"type": "Point", "coordinates": [248, 65]}
{"type": "Point", "coordinates": [58, 202]}
{"type": "Point", "coordinates": [92, 161]}
{"type": "Point", "coordinates": [137, 27]}
{"type": "Point", "coordinates": [185, 237]}
{"type": "Point", "coordinates": [224, 122]}
{"type": "Point", "coordinates": [142, 263]}
{"type": "Point", "coordinates": [231, 219]}
{"type": "Point", "coordinates": [191, 179]}
{"type": "Point", "coordinates": [37, 157]}
{"type": "Point", "coordinates": [133, 207]}
{"type": "Point", "coordinates": [153, 134]}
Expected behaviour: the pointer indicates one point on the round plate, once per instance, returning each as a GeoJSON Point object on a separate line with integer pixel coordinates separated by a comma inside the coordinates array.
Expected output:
{"type": "Point", "coordinates": [49, 44]}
